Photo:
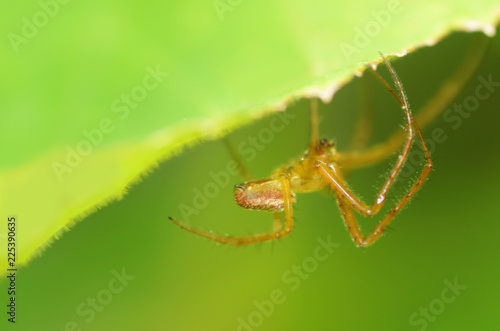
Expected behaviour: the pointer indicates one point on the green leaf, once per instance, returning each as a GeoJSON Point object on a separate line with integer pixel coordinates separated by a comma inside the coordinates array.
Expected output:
{"type": "Point", "coordinates": [95, 95]}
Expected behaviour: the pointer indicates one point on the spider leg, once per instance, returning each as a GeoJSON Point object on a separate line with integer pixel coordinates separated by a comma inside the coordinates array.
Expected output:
{"type": "Point", "coordinates": [331, 173]}
{"type": "Point", "coordinates": [278, 230]}
{"type": "Point", "coordinates": [350, 221]}
{"type": "Point", "coordinates": [434, 107]}
{"type": "Point", "coordinates": [314, 139]}
{"type": "Point", "coordinates": [352, 224]}
{"type": "Point", "coordinates": [347, 201]}
{"type": "Point", "coordinates": [364, 122]}
{"type": "Point", "coordinates": [243, 170]}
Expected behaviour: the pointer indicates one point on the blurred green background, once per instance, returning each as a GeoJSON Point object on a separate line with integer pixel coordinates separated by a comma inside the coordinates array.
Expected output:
{"type": "Point", "coordinates": [184, 282]}
{"type": "Point", "coordinates": [178, 281]}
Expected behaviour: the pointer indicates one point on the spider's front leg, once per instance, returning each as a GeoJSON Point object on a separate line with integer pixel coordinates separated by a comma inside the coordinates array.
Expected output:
{"type": "Point", "coordinates": [275, 194]}
{"type": "Point", "coordinates": [347, 201]}
{"type": "Point", "coordinates": [436, 105]}
{"type": "Point", "coordinates": [331, 174]}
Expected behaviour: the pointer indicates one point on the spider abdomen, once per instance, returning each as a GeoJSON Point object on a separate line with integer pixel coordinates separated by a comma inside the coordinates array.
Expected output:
{"type": "Point", "coordinates": [265, 194]}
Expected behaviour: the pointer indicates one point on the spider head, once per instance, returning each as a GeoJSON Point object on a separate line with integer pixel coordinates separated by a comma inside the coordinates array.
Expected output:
{"type": "Point", "coordinates": [265, 194]}
{"type": "Point", "coordinates": [326, 146]}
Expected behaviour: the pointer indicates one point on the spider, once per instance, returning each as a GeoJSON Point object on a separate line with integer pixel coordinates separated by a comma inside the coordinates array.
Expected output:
{"type": "Point", "coordinates": [322, 166]}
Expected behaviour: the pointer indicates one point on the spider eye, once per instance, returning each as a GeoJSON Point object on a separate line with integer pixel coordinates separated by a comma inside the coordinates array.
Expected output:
{"type": "Point", "coordinates": [326, 143]}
